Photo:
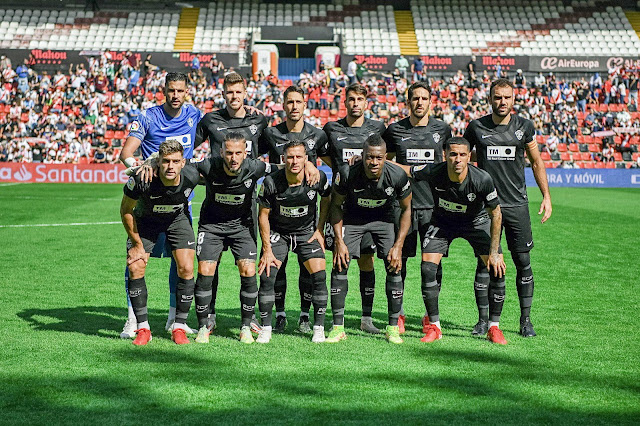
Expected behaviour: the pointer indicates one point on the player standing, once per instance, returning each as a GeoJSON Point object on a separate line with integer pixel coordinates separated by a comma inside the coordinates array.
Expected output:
{"type": "Point", "coordinates": [288, 221]}
{"type": "Point", "coordinates": [463, 195]}
{"type": "Point", "coordinates": [272, 142]}
{"type": "Point", "coordinates": [368, 190]}
{"type": "Point", "coordinates": [501, 140]}
{"type": "Point", "coordinates": [415, 140]}
{"type": "Point", "coordinates": [172, 120]}
{"type": "Point", "coordinates": [149, 209]}
{"type": "Point", "coordinates": [346, 139]}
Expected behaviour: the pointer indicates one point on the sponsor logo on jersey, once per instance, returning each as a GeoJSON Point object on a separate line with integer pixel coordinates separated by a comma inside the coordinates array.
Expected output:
{"type": "Point", "coordinates": [185, 140]}
{"type": "Point", "coordinates": [436, 137]}
{"type": "Point", "coordinates": [415, 155]}
{"type": "Point", "coordinates": [167, 208]}
{"type": "Point", "coordinates": [389, 191]}
{"type": "Point", "coordinates": [187, 192]}
{"type": "Point", "coordinates": [311, 194]}
{"type": "Point", "coordinates": [297, 211]}
{"type": "Point", "coordinates": [471, 197]}
{"type": "Point", "coordinates": [253, 129]}
{"type": "Point", "coordinates": [281, 144]}
{"type": "Point", "coordinates": [519, 134]}
{"type": "Point", "coordinates": [342, 138]}
{"type": "Point", "coordinates": [451, 206]}
{"type": "Point", "coordinates": [501, 153]}
{"type": "Point", "coordinates": [282, 159]}
{"type": "Point", "coordinates": [371, 204]}
{"type": "Point", "coordinates": [350, 152]}
{"type": "Point", "coordinates": [135, 126]}
{"type": "Point", "coordinates": [248, 183]}
{"type": "Point", "coordinates": [230, 199]}
{"type": "Point", "coordinates": [492, 195]}
{"type": "Point", "coordinates": [190, 121]}
{"type": "Point", "coordinates": [275, 237]}
{"type": "Point", "coordinates": [131, 183]}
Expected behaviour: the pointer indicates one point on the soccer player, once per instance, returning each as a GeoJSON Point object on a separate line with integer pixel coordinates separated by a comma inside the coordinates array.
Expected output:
{"type": "Point", "coordinates": [272, 142]}
{"type": "Point", "coordinates": [149, 209]}
{"type": "Point", "coordinates": [464, 198]}
{"type": "Point", "coordinates": [368, 190]}
{"type": "Point", "coordinates": [346, 139]}
{"type": "Point", "coordinates": [172, 120]}
{"type": "Point", "coordinates": [236, 118]}
{"type": "Point", "coordinates": [415, 140]}
{"type": "Point", "coordinates": [501, 139]}
{"type": "Point", "coordinates": [287, 221]}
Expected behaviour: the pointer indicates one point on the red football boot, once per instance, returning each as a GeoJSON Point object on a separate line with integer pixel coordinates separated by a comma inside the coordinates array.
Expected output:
{"type": "Point", "coordinates": [495, 336]}
{"type": "Point", "coordinates": [143, 337]}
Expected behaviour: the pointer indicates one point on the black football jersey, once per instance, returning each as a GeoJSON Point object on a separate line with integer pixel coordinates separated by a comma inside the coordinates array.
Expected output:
{"type": "Point", "coordinates": [368, 200]}
{"type": "Point", "coordinates": [415, 146]}
{"type": "Point", "coordinates": [229, 198]}
{"type": "Point", "coordinates": [500, 150]}
{"type": "Point", "coordinates": [160, 203]}
{"type": "Point", "coordinates": [215, 125]}
{"type": "Point", "coordinates": [458, 203]}
{"type": "Point", "coordinates": [293, 208]}
{"type": "Point", "coordinates": [345, 141]}
{"type": "Point", "coordinates": [274, 139]}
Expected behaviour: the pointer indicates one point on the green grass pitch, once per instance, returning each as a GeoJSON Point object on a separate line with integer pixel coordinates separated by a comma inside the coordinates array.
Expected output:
{"type": "Point", "coordinates": [63, 306]}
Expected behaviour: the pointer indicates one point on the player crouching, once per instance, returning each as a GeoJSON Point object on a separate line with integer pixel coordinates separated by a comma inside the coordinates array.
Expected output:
{"type": "Point", "coordinates": [151, 208]}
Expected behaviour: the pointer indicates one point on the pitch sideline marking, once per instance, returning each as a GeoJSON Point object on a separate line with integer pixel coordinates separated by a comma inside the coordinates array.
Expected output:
{"type": "Point", "coordinates": [41, 225]}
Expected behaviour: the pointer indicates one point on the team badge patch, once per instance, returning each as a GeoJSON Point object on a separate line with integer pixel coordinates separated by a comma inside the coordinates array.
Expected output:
{"type": "Point", "coordinates": [190, 121]}
{"type": "Point", "coordinates": [471, 196]}
{"type": "Point", "coordinates": [519, 134]}
{"type": "Point", "coordinates": [253, 129]}
{"type": "Point", "coordinates": [311, 194]}
{"type": "Point", "coordinates": [135, 126]}
{"type": "Point", "coordinates": [436, 137]}
{"type": "Point", "coordinates": [337, 178]}
{"type": "Point", "coordinates": [389, 191]}
{"type": "Point", "coordinates": [311, 143]}
{"type": "Point", "coordinates": [131, 183]}
{"type": "Point", "coordinates": [187, 192]}
{"type": "Point", "coordinates": [248, 183]}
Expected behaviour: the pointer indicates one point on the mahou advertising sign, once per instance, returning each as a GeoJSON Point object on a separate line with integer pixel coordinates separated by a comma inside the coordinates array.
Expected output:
{"type": "Point", "coordinates": [62, 173]}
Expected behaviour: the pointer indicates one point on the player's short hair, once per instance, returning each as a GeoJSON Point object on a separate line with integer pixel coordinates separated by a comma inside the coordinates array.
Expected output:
{"type": "Point", "coordinates": [233, 136]}
{"type": "Point", "coordinates": [501, 82]}
{"type": "Point", "coordinates": [457, 141]}
{"type": "Point", "coordinates": [357, 88]}
{"type": "Point", "coordinates": [170, 146]}
{"type": "Point", "coordinates": [294, 143]}
{"type": "Point", "coordinates": [292, 89]}
{"type": "Point", "coordinates": [175, 76]}
{"type": "Point", "coordinates": [374, 140]}
{"type": "Point", "coordinates": [418, 85]}
{"type": "Point", "coordinates": [233, 78]}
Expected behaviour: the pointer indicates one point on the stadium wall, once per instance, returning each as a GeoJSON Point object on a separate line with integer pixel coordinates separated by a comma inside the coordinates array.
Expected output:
{"type": "Point", "coordinates": [589, 178]}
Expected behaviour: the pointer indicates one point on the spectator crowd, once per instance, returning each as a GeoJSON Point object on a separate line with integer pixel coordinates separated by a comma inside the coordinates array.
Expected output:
{"type": "Point", "coordinates": [82, 116]}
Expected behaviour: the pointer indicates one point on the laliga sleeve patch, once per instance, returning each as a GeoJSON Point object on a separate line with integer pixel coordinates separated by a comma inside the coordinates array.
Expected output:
{"type": "Point", "coordinates": [135, 126]}
{"type": "Point", "coordinates": [406, 186]}
{"type": "Point", "coordinates": [131, 183]}
{"type": "Point", "coordinates": [261, 192]}
{"type": "Point", "coordinates": [492, 195]}
{"type": "Point", "coordinates": [418, 168]}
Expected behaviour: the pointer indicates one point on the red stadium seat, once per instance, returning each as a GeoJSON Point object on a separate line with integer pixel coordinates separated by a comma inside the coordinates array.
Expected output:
{"type": "Point", "coordinates": [600, 165]}
{"type": "Point", "coordinates": [119, 134]}
{"type": "Point", "coordinates": [611, 165]}
{"type": "Point", "coordinates": [573, 147]}
{"type": "Point", "coordinates": [382, 99]}
{"type": "Point", "coordinates": [617, 156]}
{"type": "Point", "coordinates": [315, 112]}
{"type": "Point", "coordinates": [324, 113]}
{"type": "Point", "coordinates": [593, 147]}
{"type": "Point", "coordinates": [83, 160]}
{"type": "Point", "coordinates": [548, 165]}
{"type": "Point", "coordinates": [635, 156]}
{"type": "Point", "coordinates": [562, 147]}
{"type": "Point", "coordinates": [109, 134]}
{"type": "Point", "coordinates": [586, 156]}
{"type": "Point", "coordinates": [565, 156]}
{"type": "Point", "coordinates": [545, 156]}
{"type": "Point", "coordinates": [324, 120]}
{"type": "Point", "coordinates": [24, 117]}
{"type": "Point", "coordinates": [576, 156]}
{"type": "Point", "coordinates": [540, 139]}
{"type": "Point", "coordinates": [392, 99]}
{"type": "Point", "coordinates": [588, 164]}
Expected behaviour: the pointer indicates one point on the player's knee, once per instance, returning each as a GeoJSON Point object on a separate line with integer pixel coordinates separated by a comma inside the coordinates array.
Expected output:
{"type": "Point", "coordinates": [521, 260]}
{"type": "Point", "coordinates": [185, 271]}
{"type": "Point", "coordinates": [207, 267]}
{"type": "Point", "coordinates": [247, 267]}
{"type": "Point", "coordinates": [428, 271]}
{"type": "Point", "coordinates": [137, 269]}
{"type": "Point", "coordinates": [480, 266]}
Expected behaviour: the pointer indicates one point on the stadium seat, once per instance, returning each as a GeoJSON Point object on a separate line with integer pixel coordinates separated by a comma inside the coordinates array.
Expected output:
{"type": "Point", "coordinates": [573, 147]}
{"type": "Point", "coordinates": [600, 165]}
{"type": "Point", "coordinates": [588, 165]}
{"type": "Point", "coordinates": [565, 156]}
{"type": "Point", "coordinates": [562, 147]}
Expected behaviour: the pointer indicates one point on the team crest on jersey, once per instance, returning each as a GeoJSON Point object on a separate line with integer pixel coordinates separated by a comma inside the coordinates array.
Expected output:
{"type": "Point", "coordinates": [187, 192]}
{"type": "Point", "coordinates": [471, 196]}
{"type": "Point", "coordinates": [311, 194]}
{"type": "Point", "coordinates": [253, 129]}
{"type": "Point", "coordinates": [519, 134]}
{"type": "Point", "coordinates": [436, 137]}
{"type": "Point", "coordinates": [135, 126]}
{"type": "Point", "coordinates": [389, 191]}
{"type": "Point", "coordinates": [190, 121]}
{"type": "Point", "coordinates": [248, 183]}
{"type": "Point", "coordinates": [311, 143]}
{"type": "Point", "coordinates": [131, 183]}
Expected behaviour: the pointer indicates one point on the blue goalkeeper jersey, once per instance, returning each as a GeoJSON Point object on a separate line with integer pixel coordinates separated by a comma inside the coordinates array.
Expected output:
{"type": "Point", "coordinates": [154, 126]}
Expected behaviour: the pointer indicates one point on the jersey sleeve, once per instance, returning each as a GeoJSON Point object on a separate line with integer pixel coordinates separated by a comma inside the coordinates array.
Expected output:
{"type": "Point", "coordinates": [488, 192]}
{"type": "Point", "coordinates": [322, 146]}
{"type": "Point", "coordinates": [323, 185]}
{"type": "Point", "coordinates": [340, 182]}
{"type": "Point", "coordinates": [132, 188]}
{"type": "Point", "coordinates": [202, 166]}
{"type": "Point", "coordinates": [422, 172]}
{"type": "Point", "coordinates": [266, 193]}
{"type": "Point", "coordinates": [447, 134]}
{"type": "Point", "coordinates": [202, 131]}
{"type": "Point", "coordinates": [389, 139]}
{"type": "Point", "coordinates": [263, 143]}
{"type": "Point", "coordinates": [259, 168]}
{"type": "Point", "coordinates": [140, 126]}
{"type": "Point", "coordinates": [470, 134]}
{"type": "Point", "coordinates": [529, 133]}
{"type": "Point", "coordinates": [381, 127]}
{"type": "Point", "coordinates": [403, 186]}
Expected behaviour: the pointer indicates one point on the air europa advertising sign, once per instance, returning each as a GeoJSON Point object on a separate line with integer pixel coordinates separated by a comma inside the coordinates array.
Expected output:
{"type": "Point", "coordinates": [580, 63]}
{"type": "Point", "coordinates": [62, 173]}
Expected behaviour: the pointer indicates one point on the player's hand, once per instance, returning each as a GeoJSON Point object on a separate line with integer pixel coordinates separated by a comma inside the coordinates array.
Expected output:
{"type": "Point", "coordinates": [340, 255]}
{"type": "Point", "coordinates": [395, 259]}
{"type": "Point", "coordinates": [317, 236]}
{"type": "Point", "coordinates": [545, 207]}
{"type": "Point", "coordinates": [146, 173]}
{"type": "Point", "coordinates": [253, 110]}
{"type": "Point", "coordinates": [496, 261]}
{"type": "Point", "coordinates": [268, 261]}
{"type": "Point", "coordinates": [355, 159]}
{"type": "Point", "coordinates": [136, 253]}
{"type": "Point", "coordinates": [311, 173]}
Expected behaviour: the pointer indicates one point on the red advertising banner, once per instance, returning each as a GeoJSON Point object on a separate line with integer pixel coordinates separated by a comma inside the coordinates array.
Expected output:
{"type": "Point", "coordinates": [62, 173]}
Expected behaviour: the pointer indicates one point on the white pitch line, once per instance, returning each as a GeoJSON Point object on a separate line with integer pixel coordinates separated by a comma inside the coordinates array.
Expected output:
{"type": "Point", "coordinates": [44, 225]}
{"type": "Point", "coordinates": [13, 183]}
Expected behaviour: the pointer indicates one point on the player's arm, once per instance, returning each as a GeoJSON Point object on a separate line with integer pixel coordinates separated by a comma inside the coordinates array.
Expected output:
{"type": "Point", "coordinates": [496, 259]}
{"type": "Point", "coordinates": [126, 155]}
{"type": "Point", "coordinates": [136, 252]}
{"type": "Point", "coordinates": [404, 200]}
{"type": "Point", "coordinates": [540, 174]}
{"type": "Point", "coordinates": [340, 251]}
{"type": "Point", "coordinates": [267, 259]}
